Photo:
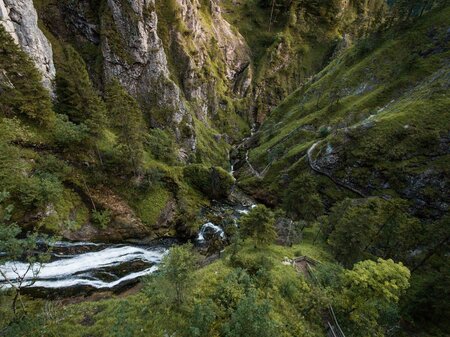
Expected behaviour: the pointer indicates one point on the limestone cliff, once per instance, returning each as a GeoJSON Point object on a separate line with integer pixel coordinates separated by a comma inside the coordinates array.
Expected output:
{"type": "Point", "coordinates": [19, 18]}
{"type": "Point", "coordinates": [183, 62]}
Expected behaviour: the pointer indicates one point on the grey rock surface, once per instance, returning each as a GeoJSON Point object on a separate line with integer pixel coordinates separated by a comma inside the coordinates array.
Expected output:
{"type": "Point", "coordinates": [20, 19]}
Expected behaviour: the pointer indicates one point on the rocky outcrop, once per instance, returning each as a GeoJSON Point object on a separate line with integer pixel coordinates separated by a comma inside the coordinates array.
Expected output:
{"type": "Point", "coordinates": [233, 50]}
{"type": "Point", "coordinates": [19, 18]}
{"type": "Point", "coordinates": [134, 54]}
{"type": "Point", "coordinates": [187, 73]}
{"type": "Point", "coordinates": [124, 223]}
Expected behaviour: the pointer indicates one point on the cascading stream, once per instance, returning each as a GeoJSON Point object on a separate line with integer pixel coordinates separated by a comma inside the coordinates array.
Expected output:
{"type": "Point", "coordinates": [102, 266]}
{"type": "Point", "coordinates": [107, 268]}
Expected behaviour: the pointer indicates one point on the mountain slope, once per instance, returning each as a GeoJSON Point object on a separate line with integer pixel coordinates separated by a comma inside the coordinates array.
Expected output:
{"type": "Point", "coordinates": [375, 120]}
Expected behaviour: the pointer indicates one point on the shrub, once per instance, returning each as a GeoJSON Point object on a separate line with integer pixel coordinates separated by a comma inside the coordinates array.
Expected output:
{"type": "Point", "coordinates": [101, 218]}
{"type": "Point", "coordinates": [214, 182]}
{"type": "Point", "coordinates": [161, 145]}
{"type": "Point", "coordinates": [68, 134]}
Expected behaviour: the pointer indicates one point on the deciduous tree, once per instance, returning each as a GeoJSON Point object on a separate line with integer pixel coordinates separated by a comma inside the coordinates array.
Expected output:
{"type": "Point", "coordinates": [177, 268]}
{"type": "Point", "coordinates": [369, 290]}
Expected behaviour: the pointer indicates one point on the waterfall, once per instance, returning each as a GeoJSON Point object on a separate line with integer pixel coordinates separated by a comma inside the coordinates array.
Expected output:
{"type": "Point", "coordinates": [210, 227]}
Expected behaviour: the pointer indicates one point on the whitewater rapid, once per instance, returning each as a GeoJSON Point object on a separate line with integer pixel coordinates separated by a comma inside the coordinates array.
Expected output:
{"type": "Point", "coordinates": [105, 268]}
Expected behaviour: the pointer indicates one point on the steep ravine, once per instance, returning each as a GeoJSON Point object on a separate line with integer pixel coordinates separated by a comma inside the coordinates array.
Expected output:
{"type": "Point", "coordinates": [198, 80]}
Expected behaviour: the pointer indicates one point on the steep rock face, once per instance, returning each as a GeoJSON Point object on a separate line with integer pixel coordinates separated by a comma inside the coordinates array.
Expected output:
{"type": "Point", "coordinates": [219, 63]}
{"type": "Point", "coordinates": [19, 17]}
{"type": "Point", "coordinates": [184, 74]}
{"type": "Point", "coordinates": [139, 62]}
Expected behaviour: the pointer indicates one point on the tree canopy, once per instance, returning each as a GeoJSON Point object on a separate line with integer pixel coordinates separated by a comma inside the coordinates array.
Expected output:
{"type": "Point", "coordinates": [258, 224]}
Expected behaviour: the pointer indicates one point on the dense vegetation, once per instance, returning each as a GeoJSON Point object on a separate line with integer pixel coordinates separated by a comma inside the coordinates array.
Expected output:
{"type": "Point", "coordinates": [248, 292]}
{"type": "Point", "coordinates": [350, 163]}
{"type": "Point", "coordinates": [55, 156]}
{"type": "Point", "coordinates": [356, 140]}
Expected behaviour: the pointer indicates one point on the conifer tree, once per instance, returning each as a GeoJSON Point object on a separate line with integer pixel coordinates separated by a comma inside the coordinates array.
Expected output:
{"type": "Point", "coordinates": [77, 97]}
{"type": "Point", "coordinates": [21, 90]}
{"type": "Point", "coordinates": [258, 224]}
{"type": "Point", "coordinates": [127, 120]}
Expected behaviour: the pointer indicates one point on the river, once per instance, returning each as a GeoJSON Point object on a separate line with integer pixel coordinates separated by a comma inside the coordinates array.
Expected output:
{"type": "Point", "coordinates": [81, 267]}
{"type": "Point", "coordinates": [84, 267]}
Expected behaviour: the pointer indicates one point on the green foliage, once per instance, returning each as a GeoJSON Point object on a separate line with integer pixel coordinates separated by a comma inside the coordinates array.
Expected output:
{"type": "Point", "coordinates": [301, 199]}
{"type": "Point", "coordinates": [161, 145]}
{"type": "Point", "coordinates": [370, 289]}
{"type": "Point", "coordinates": [127, 120]}
{"type": "Point", "coordinates": [372, 226]}
{"type": "Point", "coordinates": [177, 267]}
{"type": "Point", "coordinates": [232, 289]}
{"type": "Point", "coordinates": [67, 134]}
{"type": "Point", "coordinates": [39, 190]}
{"type": "Point", "coordinates": [202, 319]}
{"type": "Point", "coordinates": [251, 319]}
{"type": "Point", "coordinates": [76, 96]}
{"type": "Point", "coordinates": [101, 218]}
{"type": "Point", "coordinates": [214, 182]}
{"type": "Point", "coordinates": [21, 90]}
{"type": "Point", "coordinates": [258, 224]}
{"type": "Point", "coordinates": [10, 167]}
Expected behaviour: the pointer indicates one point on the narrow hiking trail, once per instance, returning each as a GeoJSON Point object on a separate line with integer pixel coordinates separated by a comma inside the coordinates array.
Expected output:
{"type": "Point", "coordinates": [317, 169]}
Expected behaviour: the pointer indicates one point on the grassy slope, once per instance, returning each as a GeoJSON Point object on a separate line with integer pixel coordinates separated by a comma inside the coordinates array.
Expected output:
{"type": "Point", "coordinates": [391, 115]}
{"type": "Point", "coordinates": [300, 41]}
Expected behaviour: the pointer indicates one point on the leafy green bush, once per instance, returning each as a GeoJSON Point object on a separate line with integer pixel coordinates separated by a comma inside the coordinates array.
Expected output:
{"type": "Point", "coordinates": [214, 182]}
{"type": "Point", "coordinates": [162, 145]}
{"type": "Point", "coordinates": [101, 218]}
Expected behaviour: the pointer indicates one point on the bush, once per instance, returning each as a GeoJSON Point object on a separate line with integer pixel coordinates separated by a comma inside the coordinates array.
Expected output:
{"type": "Point", "coordinates": [251, 319]}
{"type": "Point", "coordinates": [214, 182]}
{"type": "Point", "coordinates": [202, 319]}
{"type": "Point", "coordinates": [101, 218]}
{"type": "Point", "coordinates": [37, 191]}
{"type": "Point", "coordinates": [161, 145]}
{"type": "Point", "coordinates": [233, 289]}
{"type": "Point", "coordinates": [68, 134]}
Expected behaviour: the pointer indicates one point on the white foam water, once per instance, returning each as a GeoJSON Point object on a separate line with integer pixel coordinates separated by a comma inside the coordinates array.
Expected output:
{"type": "Point", "coordinates": [76, 270]}
{"type": "Point", "coordinates": [246, 210]}
{"type": "Point", "coordinates": [209, 226]}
